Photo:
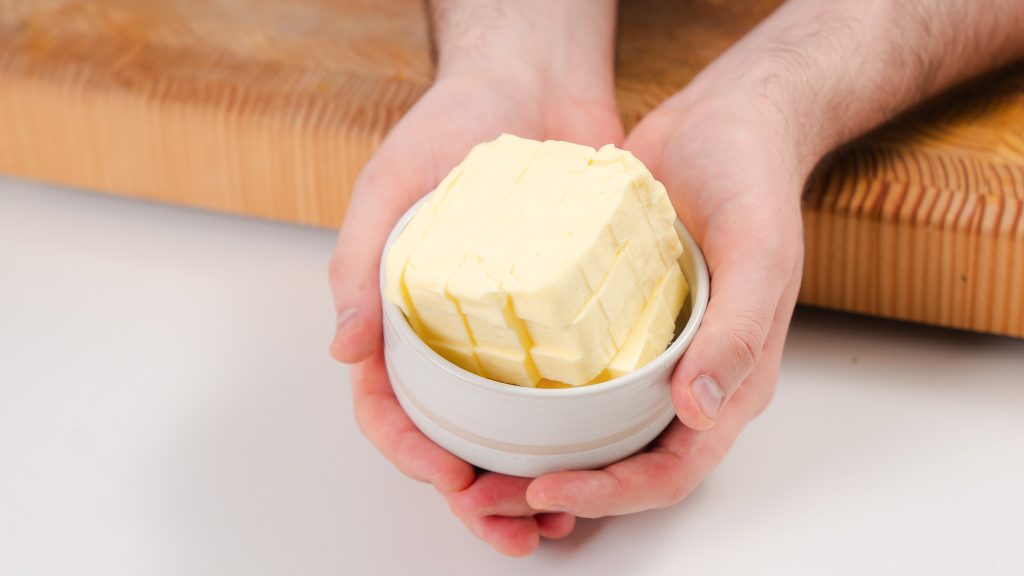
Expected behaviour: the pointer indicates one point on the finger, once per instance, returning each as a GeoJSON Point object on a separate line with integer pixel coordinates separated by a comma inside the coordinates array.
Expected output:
{"type": "Point", "coordinates": [383, 421]}
{"type": "Point", "coordinates": [756, 393]}
{"type": "Point", "coordinates": [647, 480]}
{"type": "Point", "coordinates": [555, 526]}
{"type": "Point", "coordinates": [681, 456]}
{"type": "Point", "coordinates": [379, 198]}
{"type": "Point", "coordinates": [660, 477]}
{"type": "Point", "coordinates": [492, 494]}
{"type": "Point", "coordinates": [746, 289]}
{"type": "Point", "coordinates": [511, 536]}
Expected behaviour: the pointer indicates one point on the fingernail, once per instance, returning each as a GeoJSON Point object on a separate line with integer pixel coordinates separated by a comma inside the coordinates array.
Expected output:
{"type": "Point", "coordinates": [555, 507]}
{"type": "Point", "coordinates": [346, 319]}
{"type": "Point", "coordinates": [708, 394]}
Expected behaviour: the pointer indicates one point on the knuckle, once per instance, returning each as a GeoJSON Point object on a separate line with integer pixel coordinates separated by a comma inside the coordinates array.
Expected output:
{"type": "Point", "coordinates": [746, 340]}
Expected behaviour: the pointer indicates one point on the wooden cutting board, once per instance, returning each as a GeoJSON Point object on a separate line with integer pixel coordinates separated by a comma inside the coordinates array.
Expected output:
{"type": "Point", "coordinates": [270, 107]}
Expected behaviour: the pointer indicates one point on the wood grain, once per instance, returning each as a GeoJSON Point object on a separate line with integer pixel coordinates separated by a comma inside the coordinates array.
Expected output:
{"type": "Point", "coordinates": [266, 108]}
{"type": "Point", "coordinates": [270, 108]}
{"type": "Point", "coordinates": [922, 220]}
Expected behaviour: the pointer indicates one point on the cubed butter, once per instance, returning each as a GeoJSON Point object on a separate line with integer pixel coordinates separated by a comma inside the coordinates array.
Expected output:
{"type": "Point", "coordinates": [541, 263]}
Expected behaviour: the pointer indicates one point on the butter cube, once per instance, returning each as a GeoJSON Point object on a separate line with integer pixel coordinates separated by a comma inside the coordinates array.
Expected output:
{"type": "Point", "coordinates": [536, 263]}
{"type": "Point", "coordinates": [654, 328]}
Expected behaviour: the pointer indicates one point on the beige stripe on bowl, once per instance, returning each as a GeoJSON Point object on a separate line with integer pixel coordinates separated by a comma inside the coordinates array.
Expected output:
{"type": "Point", "coordinates": [532, 450]}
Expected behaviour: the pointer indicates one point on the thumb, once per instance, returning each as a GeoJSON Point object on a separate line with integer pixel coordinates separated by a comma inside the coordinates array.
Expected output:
{"type": "Point", "coordinates": [378, 200]}
{"type": "Point", "coordinates": [746, 288]}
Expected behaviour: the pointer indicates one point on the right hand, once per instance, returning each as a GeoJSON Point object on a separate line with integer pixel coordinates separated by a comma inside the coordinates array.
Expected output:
{"type": "Point", "coordinates": [457, 112]}
{"type": "Point", "coordinates": [734, 174]}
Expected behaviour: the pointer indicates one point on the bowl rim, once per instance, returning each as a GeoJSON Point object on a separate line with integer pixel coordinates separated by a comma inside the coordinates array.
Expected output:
{"type": "Point", "coordinates": [700, 291]}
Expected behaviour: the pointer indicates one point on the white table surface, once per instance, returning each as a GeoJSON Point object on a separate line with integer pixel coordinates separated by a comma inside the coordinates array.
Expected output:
{"type": "Point", "coordinates": [168, 406]}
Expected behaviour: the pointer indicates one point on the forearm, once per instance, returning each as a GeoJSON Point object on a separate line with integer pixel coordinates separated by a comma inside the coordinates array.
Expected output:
{"type": "Point", "coordinates": [835, 69]}
{"type": "Point", "coordinates": [565, 46]}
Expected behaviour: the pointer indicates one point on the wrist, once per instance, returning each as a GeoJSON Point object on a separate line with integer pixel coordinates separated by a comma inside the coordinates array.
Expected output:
{"type": "Point", "coordinates": [812, 73]}
{"type": "Point", "coordinates": [827, 72]}
{"type": "Point", "coordinates": [792, 109]}
{"type": "Point", "coordinates": [535, 48]}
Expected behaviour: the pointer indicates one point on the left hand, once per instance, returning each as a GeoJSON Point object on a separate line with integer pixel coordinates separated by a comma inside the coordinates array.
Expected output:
{"type": "Point", "coordinates": [735, 181]}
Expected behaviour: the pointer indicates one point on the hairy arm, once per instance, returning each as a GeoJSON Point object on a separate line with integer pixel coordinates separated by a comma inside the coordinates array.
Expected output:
{"type": "Point", "coordinates": [831, 70]}
{"type": "Point", "coordinates": [561, 50]}
{"type": "Point", "coordinates": [734, 149]}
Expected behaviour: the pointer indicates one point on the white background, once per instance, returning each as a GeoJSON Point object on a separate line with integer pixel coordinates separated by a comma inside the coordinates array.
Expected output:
{"type": "Point", "coordinates": [167, 406]}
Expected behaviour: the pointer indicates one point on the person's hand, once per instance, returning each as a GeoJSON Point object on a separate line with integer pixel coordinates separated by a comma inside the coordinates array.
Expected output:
{"type": "Point", "coordinates": [456, 113]}
{"type": "Point", "coordinates": [734, 149]}
{"type": "Point", "coordinates": [735, 179]}
{"type": "Point", "coordinates": [436, 134]}
{"type": "Point", "coordinates": [472, 101]}
{"type": "Point", "coordinates": [493, 506]}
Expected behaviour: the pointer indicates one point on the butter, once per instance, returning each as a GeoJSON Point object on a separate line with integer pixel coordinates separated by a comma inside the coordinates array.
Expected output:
{"type": "Point", "coordinates": [541, 263]}
{"type": "Point", "coordinates": [654, 327]}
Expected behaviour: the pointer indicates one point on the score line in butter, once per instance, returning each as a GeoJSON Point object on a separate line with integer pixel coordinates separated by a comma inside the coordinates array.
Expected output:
{"type": "Point", "coordinates": [541, 263]}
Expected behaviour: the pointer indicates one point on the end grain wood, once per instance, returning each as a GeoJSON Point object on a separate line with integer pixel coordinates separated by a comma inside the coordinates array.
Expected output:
{"type": "Point", "coordinates": [270, 108]}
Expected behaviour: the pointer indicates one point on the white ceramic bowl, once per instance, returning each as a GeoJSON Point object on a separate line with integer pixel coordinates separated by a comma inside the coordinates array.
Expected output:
{"type": "Point", "coordinates": [527, 431]}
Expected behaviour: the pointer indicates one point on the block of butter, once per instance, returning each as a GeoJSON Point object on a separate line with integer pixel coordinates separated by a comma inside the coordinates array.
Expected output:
{"type": "Point", "coordinates": [541, 263]}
